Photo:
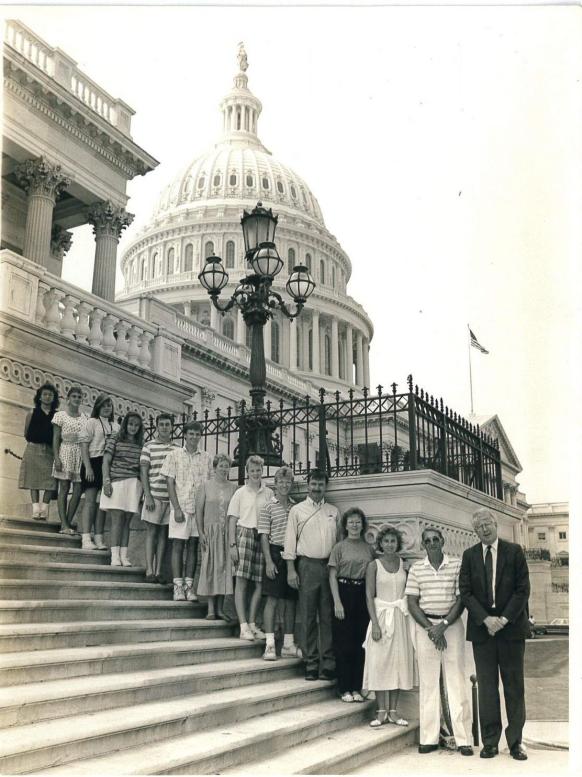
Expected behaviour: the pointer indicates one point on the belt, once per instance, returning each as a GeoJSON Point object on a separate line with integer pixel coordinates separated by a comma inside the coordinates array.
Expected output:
{"type": "Point", "coordinates": [319, 560]}
{"type": "Point", "coordinates": [435, 617]}
{"type": "Point", "coordinates": [352, 580]}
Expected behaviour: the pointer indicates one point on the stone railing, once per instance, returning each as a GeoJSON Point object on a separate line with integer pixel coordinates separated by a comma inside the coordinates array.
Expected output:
{"type": "Point", "coordinates": [33, 294]}
{"type": "Point", "coordinates": [56, 64]}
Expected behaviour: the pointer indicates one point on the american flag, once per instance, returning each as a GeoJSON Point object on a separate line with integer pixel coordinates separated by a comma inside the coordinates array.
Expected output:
{"type": "Point", "coordinates": [476, 344]}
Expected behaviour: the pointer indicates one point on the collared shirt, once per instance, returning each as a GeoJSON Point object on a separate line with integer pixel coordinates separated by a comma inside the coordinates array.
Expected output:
{"type": "Point", "coordinates": [312, 530]}
{"type": "Point", "coordinates": [437, 589]}
{"type": "Point", "coordinates": [246, 505]}
{"type": "Point", "coordinates": [154, 453]}
{"type": "Point", "coordinates": [273, 520]}
{"type": "Point", "coordinates": [484, 547]}
{"type": "Point", "coordinates": [95, 433]}
{"type": "Point", "coordinates": [188, 470]}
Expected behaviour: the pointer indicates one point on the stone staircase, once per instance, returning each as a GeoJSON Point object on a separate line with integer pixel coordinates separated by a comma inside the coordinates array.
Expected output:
{"type": "Point", "coordinates": [102, 673]}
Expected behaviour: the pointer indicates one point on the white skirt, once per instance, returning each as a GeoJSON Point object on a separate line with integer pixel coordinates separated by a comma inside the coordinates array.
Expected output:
{"type": "Point", "coordinates": [125, 496]}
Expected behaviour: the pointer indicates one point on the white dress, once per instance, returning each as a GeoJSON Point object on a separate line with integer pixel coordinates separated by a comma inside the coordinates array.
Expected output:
{"type": "Point", "coordinates": [389, 661]}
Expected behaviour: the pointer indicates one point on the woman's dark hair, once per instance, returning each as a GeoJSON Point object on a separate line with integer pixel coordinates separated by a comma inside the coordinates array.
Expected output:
{"type": "Point", "coordinates": [389, 530]}
{"type": "Point", "coordinates": [354, 511]}
{"type": "Point", "coordinates": [123, 435]}
{"type": "Point", "coordinates": [47, 387]}
{"type": "Point", "coordinates": [101, 400]}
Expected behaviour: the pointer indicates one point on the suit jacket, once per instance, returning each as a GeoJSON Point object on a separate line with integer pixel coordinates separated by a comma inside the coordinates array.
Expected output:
{"type": "Point", "coordinates": [511, 591]}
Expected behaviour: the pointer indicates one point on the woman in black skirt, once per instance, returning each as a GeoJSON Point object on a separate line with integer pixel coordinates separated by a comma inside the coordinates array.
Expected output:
{"type": "Point", "coordinates": [37, 462]}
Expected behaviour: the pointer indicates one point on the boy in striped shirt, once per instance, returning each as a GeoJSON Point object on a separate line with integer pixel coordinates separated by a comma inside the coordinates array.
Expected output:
{"type": "Point", "coordinates": [156, 507]}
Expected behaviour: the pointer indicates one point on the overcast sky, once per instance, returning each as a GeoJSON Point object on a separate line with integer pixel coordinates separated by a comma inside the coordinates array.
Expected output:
{"type": "Point", "coordinates": [442, 145]}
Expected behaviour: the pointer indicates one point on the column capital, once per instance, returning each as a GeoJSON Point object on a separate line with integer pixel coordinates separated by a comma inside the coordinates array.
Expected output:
{"type": "Point", "coordinates": [108, 220]}
{"type": "Point", "coordinates": [61, 241]}
{"type": "Point", "coordinates": [37, 176]}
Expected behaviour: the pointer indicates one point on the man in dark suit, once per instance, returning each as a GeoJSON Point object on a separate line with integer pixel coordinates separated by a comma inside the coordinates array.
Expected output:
{"type": "Point", "coordinates": [494, 586]}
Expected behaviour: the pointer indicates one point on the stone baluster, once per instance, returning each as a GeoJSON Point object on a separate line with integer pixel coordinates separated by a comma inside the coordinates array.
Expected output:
{"type": "Point", "coordinates": [108, 222]}
{"type": "Point", "coordinates": [43, 183]}
{"type": "Point", "coordinates": [40, 306]}
{"type": "Point", "coordinates": [145, 355]}
{"type": "Point", "coordinates": [68, 322]}
{"type": "Point", "coordinates": [108, 343]}
{"type": "Point", "coordinates": [95, 333]}
{"type": "Point", "coordinates": [82, 332]}
{"type": "Point", "coordinates": [52, 318]}
{"type": "Point", "coordinates": [122, 343]}
{"type": "Point", "coordinates": [133, 345]}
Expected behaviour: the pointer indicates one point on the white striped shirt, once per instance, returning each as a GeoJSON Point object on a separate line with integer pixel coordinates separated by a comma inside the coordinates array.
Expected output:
{"type": "Point", "coordinates": [437, 589]}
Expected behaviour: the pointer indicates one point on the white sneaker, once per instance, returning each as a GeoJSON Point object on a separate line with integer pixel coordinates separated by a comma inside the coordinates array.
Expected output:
{"type": "Point", "coordinates": [179, 593]}
{"type": "Point", "coordinates": [87, 543]}
{"type": "Point", "coordinates": [35, 509]}
{"type": "Point", "coordinates": [44, 511]}
{"type": "Point", "coordinates": [189, 591]}
{"type": "Point", "coordinates": [246, 633]}
{"type": "Point", "coordinates": [257, 633]}
{"type": "Point", "coordinates": [291, 651]}
{"type": "Point", "coordinates": [270, 653]}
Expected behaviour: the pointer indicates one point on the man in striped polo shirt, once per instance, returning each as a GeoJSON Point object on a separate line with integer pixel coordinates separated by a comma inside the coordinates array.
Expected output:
{"type": "Point", "coordinates": [435, 604]}
{"type": "Point", "coordinates": [156, 506]}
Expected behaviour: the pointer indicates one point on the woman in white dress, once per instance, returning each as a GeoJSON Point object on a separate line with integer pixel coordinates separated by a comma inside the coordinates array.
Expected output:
{"type": "Point", "coordinates": [389, 665]}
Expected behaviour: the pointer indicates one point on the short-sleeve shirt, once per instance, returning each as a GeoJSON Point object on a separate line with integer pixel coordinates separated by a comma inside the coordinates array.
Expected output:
{"type": "Point", "coordinates": [437, 589]}
{"type": "Point", "coordinates": [71, 426]}
{"type": "Point", "coordinates": [246, 505]}
{"type": "Point", "coordinates": [351, 558]}
{"type": "Point", "coordinates": [154, 453]}
{"type": "Point", "coordinates": [96, 433]}
{"type": "Point", "coordinates": [273, 521]}
{"type": "Point", "coordinates": [188, 470]}
{"type": "Point", "coordinates": [124, 458]}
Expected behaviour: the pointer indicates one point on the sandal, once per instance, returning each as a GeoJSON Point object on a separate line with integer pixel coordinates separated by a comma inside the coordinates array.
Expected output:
{"type": "Point", "coordinates": [68, 530]}
{"type": "Point", "coordinates": [347, 697]}
{"type": "Point", "coordinates": [380, 720]}
{"type": "Point", "coordinates": [357, 696]}
{"type": "Point", "coordinates": [393, 718]}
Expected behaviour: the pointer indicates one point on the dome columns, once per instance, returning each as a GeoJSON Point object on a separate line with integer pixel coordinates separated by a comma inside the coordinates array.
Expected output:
{"type": "Point", "coordinates": [108, 223]}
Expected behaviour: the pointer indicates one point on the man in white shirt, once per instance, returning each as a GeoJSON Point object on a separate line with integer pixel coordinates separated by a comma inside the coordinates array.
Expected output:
{"type": "Point", "coordinates": [313, 529]}
{"type": "Point", "coordinates": [245, 545]}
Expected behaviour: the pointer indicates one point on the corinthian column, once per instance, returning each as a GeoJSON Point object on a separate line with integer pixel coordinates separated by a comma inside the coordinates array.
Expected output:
{"type": "Point", "coordinates": [315, 341]}
{"type": "Point", "coordinates": [334, 348]}
{"type": "Point", "coordinates": [359, 360]}
{"type": "Point", "coordinates": [108, 222]}
{"type": "Point", "coordinates": [43, 183]}
{"type": "Point", "coordinates": [366, 355]}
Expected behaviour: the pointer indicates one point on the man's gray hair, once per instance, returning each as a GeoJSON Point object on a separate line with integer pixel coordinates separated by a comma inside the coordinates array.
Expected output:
{"type": "Point", "coordinates": [483, 512]}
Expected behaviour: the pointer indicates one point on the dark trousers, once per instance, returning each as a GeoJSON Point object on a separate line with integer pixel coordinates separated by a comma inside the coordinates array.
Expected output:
{"type": "Point", "coordinates": [503, 657]}
{"type": "Point", "coordinates": [348, 636]}
{"type": "Point", "coordinates": [315, 600]}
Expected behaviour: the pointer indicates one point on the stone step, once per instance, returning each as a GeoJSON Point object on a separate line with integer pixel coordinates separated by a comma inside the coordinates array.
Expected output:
{"type": "Point", "coordinates": [50, 571]}
{"type": "Point", "coordinates": [40, 554]}
{"type": "Point", "coordinates": [51, 539]}
{"type": "Point", "coordinates": [51, 743]}
{"type": "Point", "coordinates": [17, 590]}
{"type": "Point", "coordinates": [11, 522]}
{"type": "Point", "coordinates": [46, 665]}
{"type": "Point", "coordinates": [336, 753]}
{"type": "Point", "coordinates": [47, 636]}
{"type": "Point", "coordinates": [33, 702]}
{"type": "Point", "coordinates": [63, 611]}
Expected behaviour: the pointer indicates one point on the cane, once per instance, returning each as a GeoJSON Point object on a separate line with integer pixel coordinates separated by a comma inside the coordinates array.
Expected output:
{"type": "Point", "coordinates": [475, 698]}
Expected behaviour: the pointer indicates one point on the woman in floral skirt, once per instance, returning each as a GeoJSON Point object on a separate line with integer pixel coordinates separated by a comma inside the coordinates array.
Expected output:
{"type": "Point", "coordinates": [67, 428]}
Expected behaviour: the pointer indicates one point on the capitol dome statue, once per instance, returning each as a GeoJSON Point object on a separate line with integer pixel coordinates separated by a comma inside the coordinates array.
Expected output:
{"type": "Point", "coordinates": [199, 214]}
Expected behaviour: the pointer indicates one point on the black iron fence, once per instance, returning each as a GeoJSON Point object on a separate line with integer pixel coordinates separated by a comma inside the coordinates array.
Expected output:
{"type": "Point", "coordinates": [364, 433]}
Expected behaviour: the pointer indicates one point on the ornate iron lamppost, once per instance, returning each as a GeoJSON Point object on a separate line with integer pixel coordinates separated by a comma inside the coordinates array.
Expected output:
{"type": "Point", "coordinates": [257, 302]}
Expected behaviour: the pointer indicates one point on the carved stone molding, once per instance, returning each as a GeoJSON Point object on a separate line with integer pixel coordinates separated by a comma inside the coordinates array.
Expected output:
{"type": "Point", "coordinates": [61, 241]}
{"type": "Point", "coordinates": [108, 220]}
{"type": "Point", "coordinates": [37, 176]}
{"type": "Point", "coordinates": [207, 398]}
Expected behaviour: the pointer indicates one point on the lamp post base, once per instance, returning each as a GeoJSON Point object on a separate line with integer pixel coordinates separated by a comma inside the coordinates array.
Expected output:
{"type": "Point", "coordinates": [256, 437]}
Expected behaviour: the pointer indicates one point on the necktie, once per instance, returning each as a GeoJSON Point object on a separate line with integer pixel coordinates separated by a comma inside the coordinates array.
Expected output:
{"type": "Point", "coordinates": [489, 575]}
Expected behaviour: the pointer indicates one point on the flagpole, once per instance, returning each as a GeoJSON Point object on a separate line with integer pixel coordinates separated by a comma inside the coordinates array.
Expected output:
{"type": "Point", "coordinates": [470, 369]}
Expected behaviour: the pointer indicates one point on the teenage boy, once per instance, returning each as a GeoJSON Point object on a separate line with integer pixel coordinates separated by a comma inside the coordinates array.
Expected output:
{"type": "Point", "coordinates": [156, 507]}
{"type": "Point", "coordinates": [272, 527]}
{"type": "Point", "coordinates": [245, 547]}
{"type": "Point", "coordinates": [313, 528]}
{"type": "Point", "coordinates": [185, 469]}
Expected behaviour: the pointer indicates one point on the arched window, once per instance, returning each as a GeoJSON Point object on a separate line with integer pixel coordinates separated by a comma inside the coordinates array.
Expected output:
{"type": "Point", "coordinates": [333, 276]}
{"type": "Point", "coordinates": [280, 187]}
{"type": "Point", "coordinates": [265, 183]}
{"type": "Point", "coordinates": [142, 269]}
{"type": "Point", "coordinates": [228, 328]}
{"type": "Point", "coordinates": [208, 249]}
{"type": "Point", "coordinates": [201, 182]}
{"type": "Point", "coordinates": [275, 342]}
{"type": "Point", "coordinates": [327, 354]}
{"type": "Point", "coordinates": [250, 181]}
{"type": "Point", "coordinates": [189, 258]}
{"type": "Point", "coordinates": [232, 179]}
{"type": "Point", "coordinates": [322, 271]}
{"type": "Point", "coordinates": [229, 254]}
{"type": "Point", "coordinates": [308, 261]}
{"type": "Point", "coordinates": [216, 180]}
{"type": "Point", "coordinates": [293, 192]}
{"type": "Point", "coordinates": [170, 262]}
{"type": "Point", "coordinates": [291, 259]}
{"type": "Point", "coordinates": [238, 119]}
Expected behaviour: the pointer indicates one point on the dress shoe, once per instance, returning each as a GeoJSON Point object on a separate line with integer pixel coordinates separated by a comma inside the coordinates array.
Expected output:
{"type": "Point", "coordinates": [311, 674]}
{"type": "Point", "coordinates": [489, 751]}
{"type": "Point", "coordinates": [465, 749]}
{"type": "Point", "coordinates": [427, 748]}
{"type": "Point", "coordinates": [518, 753]}
{"type": "Point", "coordinates": [327, 674]}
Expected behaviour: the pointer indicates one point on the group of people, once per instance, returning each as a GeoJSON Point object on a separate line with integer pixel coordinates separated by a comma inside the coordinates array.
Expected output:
{"type": "Point", "coordinates": [365, 619]}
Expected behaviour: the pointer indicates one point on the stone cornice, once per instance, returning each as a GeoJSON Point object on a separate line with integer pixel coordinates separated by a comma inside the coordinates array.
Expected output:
{"type": "Point", "coordinates": [46, 96]}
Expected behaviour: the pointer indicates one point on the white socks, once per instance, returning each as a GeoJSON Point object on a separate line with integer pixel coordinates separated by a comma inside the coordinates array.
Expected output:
{"type": "Point", "coordinates": [270, 639]}
{"type": "Point", "coordinates": [125, 562]}
{"type": "Point", "coordinates": [87, 543]}
{"type": "Point", "coordinates": [35, 508]}
{"type": "Point", "coordinates": [288, 640]}
{"type": "Point", "coordinates": [115, 559]}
